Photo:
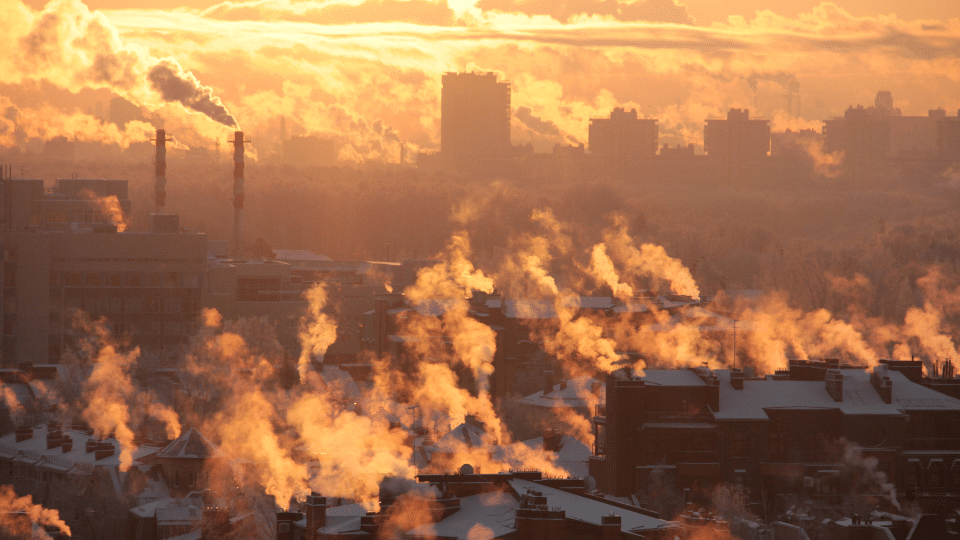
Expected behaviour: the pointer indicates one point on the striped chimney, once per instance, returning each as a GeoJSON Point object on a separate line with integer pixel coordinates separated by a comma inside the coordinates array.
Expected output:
{"type": "Point", "coordinates": [161, 169]}
{"type": "Point", "coordinates": [237, 191]}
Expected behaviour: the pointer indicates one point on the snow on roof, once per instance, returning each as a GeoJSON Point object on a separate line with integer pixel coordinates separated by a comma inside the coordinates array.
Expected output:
{"type": "Point", "coordinates": [340, 382]}
{"type": "Point", "coordinates": [434, 307]}
{"type": "Point", "coordinates": [529, 309]}
{"type": "Point", "coordinates": [908, 395]}
{"type": "Point", "coordinates": [570, 396]}
{"type": "Point", "coordinates": [588, 302]}
{"type": "Point", "coordinates": [672, 377]}
{"type": "Point", "coordinates": [859, 396]}
{"type": "Point", "coordinates": [633, 305]}
{"type": "Point", "coordinates": [495, 511]}
{"type": "Point", "coordinates": [466, 433]}
{"type": "Point", "coordinates": [545, 309]}
{"type": "Point", "coordinates": [298, 255]}
{"type": "Point", "coordinates": [573, 454]}
{"type": "Point", "coordinates": [35, 450]}
{"type": "Point", "coordinates": [589, 510]}
{"type": "Point", "coordinates": [191, 444]}
{"type": "Point", "coordinates": [342, 519]}
{"type": "Point", "coordinates": [178, 512]}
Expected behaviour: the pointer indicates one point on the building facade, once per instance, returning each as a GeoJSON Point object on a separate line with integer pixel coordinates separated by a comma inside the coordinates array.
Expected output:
{"type": "Point", "coordinates": [475, 116]}
{"type": "Point", "coordinates": [63, 254]}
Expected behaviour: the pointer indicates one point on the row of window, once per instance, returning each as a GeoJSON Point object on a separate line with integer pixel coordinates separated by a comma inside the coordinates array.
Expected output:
{"type": "Point", "coordinates": [189, 280]}
{"type": "Point", "coordinates": [98, 305]}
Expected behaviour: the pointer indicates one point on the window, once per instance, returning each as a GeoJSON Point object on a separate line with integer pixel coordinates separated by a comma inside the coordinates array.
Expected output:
{"type": "Point", "coordinates": [133, 280]}
{"type": "Point", "coordinates": [113, 279]}
{"type": "Point", "coordinates": [93, 279]}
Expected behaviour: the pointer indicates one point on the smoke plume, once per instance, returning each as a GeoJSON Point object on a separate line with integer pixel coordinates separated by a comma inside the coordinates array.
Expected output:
{"type": "Point", "coordinates": [168, 78]}
{"type": "Point", "coordinates": [12, 506]}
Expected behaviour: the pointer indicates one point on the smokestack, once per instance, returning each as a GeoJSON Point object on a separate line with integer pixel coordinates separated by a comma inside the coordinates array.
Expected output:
{"type": "Point", "coordinates": [237, 190]}
{"type": "Point", "coordinates": [161, 169]}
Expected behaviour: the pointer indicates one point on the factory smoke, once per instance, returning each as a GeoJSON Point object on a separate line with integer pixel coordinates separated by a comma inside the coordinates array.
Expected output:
{"type": "Point", "coordinates": [169, 79]}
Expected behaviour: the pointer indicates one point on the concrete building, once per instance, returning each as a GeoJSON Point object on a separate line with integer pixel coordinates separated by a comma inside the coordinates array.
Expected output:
{"type": "Point", "coordinates": [738, 137]}
{"type": "Point", "coordinates": [475, 117]}
{"type": "Point", "coordinates": [623, 136]}
{"type": "Point", "coordinates": [790, 433]}
{"type": "Point", "coordinates": [64, 253]}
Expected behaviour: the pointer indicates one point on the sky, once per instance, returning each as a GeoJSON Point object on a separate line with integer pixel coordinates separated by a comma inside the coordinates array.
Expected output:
{"type": "Point", "coordinates": [369, 71]}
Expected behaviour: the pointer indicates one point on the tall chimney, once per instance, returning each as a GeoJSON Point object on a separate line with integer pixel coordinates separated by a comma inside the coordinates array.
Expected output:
{"type": "Point", "coordinates": [237, 191]}
{"type": "Point", "coordinates": [161, 169]}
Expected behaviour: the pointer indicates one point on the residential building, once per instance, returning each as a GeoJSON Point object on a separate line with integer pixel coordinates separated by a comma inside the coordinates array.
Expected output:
{"type": "Point", "coordinates": [475, 116]}
{"type": "Point", "coordinates": [792, 432]}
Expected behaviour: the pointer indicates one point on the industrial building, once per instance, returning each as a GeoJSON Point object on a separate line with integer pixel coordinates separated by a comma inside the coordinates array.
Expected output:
{"type": "Point", "coordinates": [65, 250]}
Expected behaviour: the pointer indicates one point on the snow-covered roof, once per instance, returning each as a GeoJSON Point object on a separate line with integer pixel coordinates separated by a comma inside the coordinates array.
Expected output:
{"type": "Point", "coordinates": [340, 382]}
{"type": "Point", "coordinates": [481, 517]}
{"type": "Point", "coordinates": [35, 450]}
{"type": "Point", "coordinates": [191, 444]}
{"type": "Point", "coordinates": [341, 519]}
{"type": "Point", "coordinates": [859, 396]}
{"type": "Point", "coordinates": [589, 510]}
{"type": "Point", "coordinates": [529, 309]}
{"type": "Point", "coordinates": [571, 395]}
{"type": "Point", "coordinates": [672, 377]}
{"type": "Point", "coordinates": [465, 434]}
{"type": "Point", "coordinates": [573, 454]}
{"type": "Point", "coordinates": [434, 307]}
{"type": "Point", "coordinates": [298, 255]}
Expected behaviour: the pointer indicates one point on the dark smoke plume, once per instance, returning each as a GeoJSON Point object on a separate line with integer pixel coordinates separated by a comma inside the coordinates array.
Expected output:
{"type": "Point", "coordinates": [169, 79]}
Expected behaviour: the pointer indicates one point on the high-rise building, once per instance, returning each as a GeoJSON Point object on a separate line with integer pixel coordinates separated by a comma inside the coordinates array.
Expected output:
{"type": "Point", "coordinates": [948, 137]}
{"type": "Point", "coordinates": [737, 137]}
{"type": "Point", "coordinates": [623, 136]}
{"type": "Point", "coordinates": [474, 116]}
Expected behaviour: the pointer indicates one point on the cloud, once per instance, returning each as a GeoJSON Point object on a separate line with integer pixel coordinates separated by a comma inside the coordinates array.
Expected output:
{"type": "Point", "coordinates": [288, 58]}
{"type": "Point", "coordinates": [336, 11]}
{"type": "Point", "coordinates": [169, 79]}
{"type": "Point", "coordinates": [658, 11]}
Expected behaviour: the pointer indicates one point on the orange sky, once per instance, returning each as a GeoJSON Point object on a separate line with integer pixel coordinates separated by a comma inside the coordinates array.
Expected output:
{"type": "Point", "coordinates": [368, 71]}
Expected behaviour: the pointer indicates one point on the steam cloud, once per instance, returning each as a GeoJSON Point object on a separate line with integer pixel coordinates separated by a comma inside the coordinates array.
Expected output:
{"type": "Point", "coordinates": [168, 78]}
{"type": "Point", "coordinates": [11, 506]}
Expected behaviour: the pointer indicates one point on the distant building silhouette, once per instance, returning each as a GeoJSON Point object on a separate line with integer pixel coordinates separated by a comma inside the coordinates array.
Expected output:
{"type": "Point", "coordinates": [793, 144]}
{"type": "Point", "coordinates": [738, 137]}
{"type": "Point", "coordinates": [948, 137]}
{"type": "Point", "coordinates": [474, 116]}
{"type": "Point", "coordinates": [623, 136]}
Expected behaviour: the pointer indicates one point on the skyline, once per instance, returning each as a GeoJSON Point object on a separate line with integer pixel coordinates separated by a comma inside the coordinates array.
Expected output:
{"type": "Point", "coordinates": [377, 81]}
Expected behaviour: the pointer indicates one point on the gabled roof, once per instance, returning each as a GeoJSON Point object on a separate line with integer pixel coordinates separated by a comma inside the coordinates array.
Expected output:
{"type": "Point", "coordinates": [465, 434]}
{"type": "Point", "coordinates": [189, 445]}
{"type": "Point", "coordinates": [568, 396]}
